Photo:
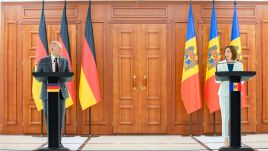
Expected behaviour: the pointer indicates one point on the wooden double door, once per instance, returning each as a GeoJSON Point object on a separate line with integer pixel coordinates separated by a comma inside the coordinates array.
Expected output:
{"type": "Point", "coordinates": [139, 78]}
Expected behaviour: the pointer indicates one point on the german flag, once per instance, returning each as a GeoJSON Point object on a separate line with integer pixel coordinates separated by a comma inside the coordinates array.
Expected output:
{"type": "Point", "coordinates": [52, 87]}
{"type": "Point", "coordinates": [64, 40]}
{"type": "Point", "coordinates": [41, 52]}
{"type": "Point", "coordinates": [89, 89]}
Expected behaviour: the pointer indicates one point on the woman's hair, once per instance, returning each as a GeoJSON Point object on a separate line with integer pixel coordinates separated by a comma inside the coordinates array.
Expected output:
{"type": "Point", "coordinates": [233, 51]}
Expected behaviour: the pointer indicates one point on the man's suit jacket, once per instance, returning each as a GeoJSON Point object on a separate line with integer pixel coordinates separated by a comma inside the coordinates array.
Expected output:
{"type": "Point", "coordinates": [223, 66]}
{"type": "Point", "coordinates": [45, 65]}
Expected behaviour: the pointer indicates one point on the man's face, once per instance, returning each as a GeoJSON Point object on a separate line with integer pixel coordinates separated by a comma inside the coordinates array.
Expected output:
{"type": "Point", "coordinates": [56, 51]}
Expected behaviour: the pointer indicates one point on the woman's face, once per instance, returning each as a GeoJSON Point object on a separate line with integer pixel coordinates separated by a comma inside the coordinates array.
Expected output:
{"type": "Point", "coordinates": [228, 54]}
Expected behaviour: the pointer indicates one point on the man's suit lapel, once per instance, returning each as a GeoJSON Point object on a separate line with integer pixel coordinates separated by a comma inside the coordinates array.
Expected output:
{"type": "Point", "coordinates": [61, 64]}
{"type": "Point", "coordinates": [49, 64]}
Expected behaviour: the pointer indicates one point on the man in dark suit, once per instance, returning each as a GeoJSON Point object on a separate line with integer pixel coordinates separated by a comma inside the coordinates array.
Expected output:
{"type": "Point", "coordinates": [54, 63]}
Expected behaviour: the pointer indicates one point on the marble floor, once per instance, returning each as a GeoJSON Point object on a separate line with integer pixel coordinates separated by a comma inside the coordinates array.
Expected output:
{"type": "Point", "coordinates": [145, 142]}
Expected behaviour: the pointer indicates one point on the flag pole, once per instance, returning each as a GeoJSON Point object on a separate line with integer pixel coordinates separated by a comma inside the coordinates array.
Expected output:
{"type": "Point", "coordinates": [42, 113]}
{"type": "Point", "coordinates": [89, 110]}
{"type": "Point", "coordinates": [214, 114]}
{"type": "Point", "coordinates": [89, 122]}
{"type": "Point", "coordinates": [65, 133]}
{"type": "Point", "coordinates": [42, 133]}
{"type": "Point", "coordinates": [190, 131]}
{"type": "Point", "coordinates": [190, 124]}
{"type": "Point", "coordinates": [214, 123]}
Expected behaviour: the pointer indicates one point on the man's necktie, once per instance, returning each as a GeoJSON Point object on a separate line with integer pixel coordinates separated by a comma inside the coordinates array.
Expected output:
{"type": "Point", "coordinates": [56, 65]}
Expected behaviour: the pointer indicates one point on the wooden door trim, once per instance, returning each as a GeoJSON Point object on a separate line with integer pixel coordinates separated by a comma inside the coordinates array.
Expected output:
{"type": "Point", "coordinates": [139, 21]}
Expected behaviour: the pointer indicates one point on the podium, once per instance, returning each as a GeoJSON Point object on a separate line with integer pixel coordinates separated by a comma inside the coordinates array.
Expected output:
{"type": "Point", "coordinates": [235, 77]}
{"type": "Point", "coordinates": [53, 106]}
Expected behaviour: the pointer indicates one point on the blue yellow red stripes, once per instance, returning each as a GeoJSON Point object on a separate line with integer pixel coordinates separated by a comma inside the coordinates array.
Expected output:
{"type": "Point", "coordinates": [211, 87]}
{"type": "Point", "coordinates": [190, 85]}
{"type": "Point", "coordinates": [236, 41]}
{"type": "Point", "coordinates": [234, 86]}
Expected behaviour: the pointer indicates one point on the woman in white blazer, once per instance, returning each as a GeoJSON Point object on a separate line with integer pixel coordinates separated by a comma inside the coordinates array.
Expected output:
{"type": "Point", "coordinates": [228, 64]}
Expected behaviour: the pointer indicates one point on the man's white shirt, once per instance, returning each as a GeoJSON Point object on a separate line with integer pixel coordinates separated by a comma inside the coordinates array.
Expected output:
{"type": "Point", "coordinates": [54, 63]}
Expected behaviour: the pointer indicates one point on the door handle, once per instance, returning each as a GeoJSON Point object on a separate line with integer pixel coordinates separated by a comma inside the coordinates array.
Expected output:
{"type": "Point", "coordinates": [134, 82]}
{"type": "Point", "coordinates": [144, 83]}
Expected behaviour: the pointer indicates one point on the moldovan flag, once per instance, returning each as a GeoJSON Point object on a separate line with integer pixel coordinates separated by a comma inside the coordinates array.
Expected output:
{"type": "Point", "coordinates": [89, 89]}
{"type": "Point", "coordinates": [211, 87]}
{"type": "Point", "coordinates": [64, 40]}
{"type": "Point", "coordinates": [41, 52]}
{"type": "Point", "coordinates": [190, 85]}
{"type": "Point", "coordinates": [235, 41]}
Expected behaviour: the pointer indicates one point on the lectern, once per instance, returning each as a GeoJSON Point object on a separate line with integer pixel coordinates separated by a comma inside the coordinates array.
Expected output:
{"type": "Point", "coordinates": [53, 106]}
{"type": "Point", "coordinates": [235, 78]}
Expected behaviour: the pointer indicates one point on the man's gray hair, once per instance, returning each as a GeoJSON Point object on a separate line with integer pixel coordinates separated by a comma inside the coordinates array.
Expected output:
{"type": "Point", "coordinates": [54, 44]}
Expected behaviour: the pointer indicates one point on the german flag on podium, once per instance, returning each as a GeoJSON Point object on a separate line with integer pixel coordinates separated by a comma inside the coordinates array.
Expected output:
{"type": "Point", "coordinates": [52, 87]}
{"type": "Point", "coordinates": [89, 89]}
{"type": "Point", "coordinates": [190, 84]}
{"type": "Point", "coordinates": [235, 41]}
{"type": "Point", "coordinates": [211, 87]}
{"type": "Point", "coordinates": [41, 52]}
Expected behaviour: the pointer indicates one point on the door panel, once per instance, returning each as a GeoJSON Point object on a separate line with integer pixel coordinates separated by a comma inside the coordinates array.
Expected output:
{"type": "Point", "coordinates": [125, 70]}
{"type": "Point", "coordinates": [247, 36]}
{"type": "Point", "coordinates": [31, 117]}
{"type": "Point", "coordinates": [153, 71]}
